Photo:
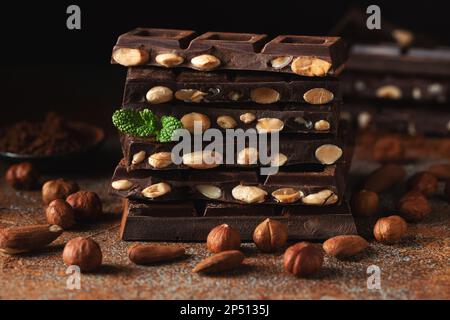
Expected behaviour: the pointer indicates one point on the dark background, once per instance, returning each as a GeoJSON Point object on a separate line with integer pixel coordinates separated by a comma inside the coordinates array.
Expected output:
{"type": "Point", "coordinates": [45, 66]}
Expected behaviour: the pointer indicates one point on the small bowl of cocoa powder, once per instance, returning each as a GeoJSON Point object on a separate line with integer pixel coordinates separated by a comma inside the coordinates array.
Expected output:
{"type": "Point", "coordinates": [51, 140]}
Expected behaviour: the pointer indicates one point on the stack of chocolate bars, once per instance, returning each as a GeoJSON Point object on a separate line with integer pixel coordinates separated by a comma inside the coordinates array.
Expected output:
{"type": "Point", "coordinates": [395, 80]}
{"type": "Point", "coordinates": [284, 88]}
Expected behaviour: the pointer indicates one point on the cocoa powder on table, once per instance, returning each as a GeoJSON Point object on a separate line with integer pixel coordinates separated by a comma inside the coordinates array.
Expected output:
{"type": "Point", "coordinates": [51, 136]}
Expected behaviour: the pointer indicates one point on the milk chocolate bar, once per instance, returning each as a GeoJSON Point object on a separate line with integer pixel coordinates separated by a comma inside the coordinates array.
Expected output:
{"type": "Point", "coordinates": [294, 149]}
{"type": "Point", "coordinates": [302, 55]}
{"type": "Point", "coordinates": [136, 226]}
{"type": "Point", "coordinates": [361, 85]}
{"type": "Point", "coordinates": [218, 184]}
{"type": "Point", "coordinates": [229, 87]}
{"type": "Point", "coordinates": [392, 59]}
{"type": "Point", "coordinates": [323, 119]}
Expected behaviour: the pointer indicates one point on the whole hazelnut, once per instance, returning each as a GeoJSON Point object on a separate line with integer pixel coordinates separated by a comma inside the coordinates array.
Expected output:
{"type": "Point", "coordinates": [86, 205]}
{"type": "Point", "coordinates": [84, 253]}
{"type": "Point", "coordinates": [58, 189]}
{"type": "Point", "coordinates": [424, 182]}
{"type": "Point", "coordinates": [270, 235]}
{"type": "Point", "coordinates": [447, 190]}
{"type": "Point", "coordinates": [22, 176]}
{"type": "Point", "coordinates": [59, 212]}
{"type": "Point", "coordinates": [364, 203]}
{"type": "Point", "coordinates": [413, 206]}
{"type": "Point", "coordinates": [390, 230]}
{"type": "Point", "coordinates": [223, 238]}
{"type": "Point", "coordinates": [303, 259]}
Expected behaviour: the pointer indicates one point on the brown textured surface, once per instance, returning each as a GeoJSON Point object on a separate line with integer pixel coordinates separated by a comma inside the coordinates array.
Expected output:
{"type": "Point", "coordinates": [416, 268]}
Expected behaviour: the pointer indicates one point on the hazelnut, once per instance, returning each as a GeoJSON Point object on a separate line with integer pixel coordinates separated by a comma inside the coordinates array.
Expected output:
{"type": "Point", "coordinates": [58, 189]}
{"type": "Point", "coordinates": [247, 156]}
{"type": "Point", "coordinates": [209, 191]}
{"type": "Point", "coordinates": [389, 92]}
{"type": "Point", "coordinates": [160, 160]}
{"type": "Point", "coordinates": [249, 194]}
{"type": "Point", "coordinates": [328, 153]}
{"type": "Point", "coordinates": [322, 125]}
{"type": "Point", "coordinates": [130, 57]}
{"type": "Point", "coordinates": [84, 253]}
{"type": "Point", "coordinates": [388, 148]}
{"type": "Point", "coordinates": [86, 205]}
{"type": "Point", "coordinates": [303, 259]}
{"type": "Point", "coordinates": [345, 246]}
{"type": "Point", "coordinates": [279, 63]}
{"type": "Point", "coordinates": [287, 195]}
{"type": "Point", "coordinates": [60, 213]}
{"type": "Point", "coordinates": [264, 95]}
{"type": "Point", "coordinates": [226, 122]}
{"type": "Point", "coordinates": [310, 66]}
{"type": "Point", "coordinates": [205, 62]}
{"type": "Point", "coordinates": [169, 59]}
{"type": "Point", "coordinates": [223, 238]}
{"type": "Point", "coordinates": [424, 182]}
{"type": "Point", "coordinates": [22, 176]}
{"type": "Point", "coordinates": [156, 190]}
{"type": "Point", "coordinates": [121, 185]}
{"type": "Point", "coordinates": [270, 235]}
{"type": "Point", "coordinates": [364, 203]}
{"type": "Point", "coordinates": [318, 96]}
{"type": "Point", "coordinates": [159, 94]}
{"type": "Point", "coordinates": [191, 119]}
{"type": "Point", "coordinates": [206, 159]}
{"type": "Point", "coordinates": [138, 157]}
{"type": "Point", "coordinates": [413, 206]}
{"type": "Point", "coordinates": [190, 95]}
{"type": "Point", "coordinates": [247, 117]}
{"type": "Point", "coordinates": [322, 198]}
{"type": "Point", "coordinates": [268, 125]}
{"type": "Point", "coordinates": [390, 230]}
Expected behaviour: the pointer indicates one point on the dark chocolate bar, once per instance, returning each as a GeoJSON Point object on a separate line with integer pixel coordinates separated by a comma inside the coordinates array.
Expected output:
{"type": "Point", "coordinates": [295, 149]}
{"type": "Point", "coordinates": [392, 59]}
{"type": "Point", "coordinates": [217, 184]}
{"type": "Point", "coordinates": [322, 119]}
{"type": "Point", "coordinates": [136, 226]}
{"type": "Point", "coordinates": [428, 121]}
{"type": "Point", "coordinates": [302, 55]}
{"type": "Point", "coordinates": [229, 87]}
{"type": "Point", "coordinates": [386, 86]}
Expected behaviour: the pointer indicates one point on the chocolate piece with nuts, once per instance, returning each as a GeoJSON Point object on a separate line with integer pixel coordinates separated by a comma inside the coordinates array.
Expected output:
{"type": "Point", "coordinates": [302, 55]}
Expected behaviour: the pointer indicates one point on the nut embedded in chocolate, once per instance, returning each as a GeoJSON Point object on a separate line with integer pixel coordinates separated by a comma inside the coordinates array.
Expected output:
{"type": "Point", "coordinates": [247, 156]}
{"type": "Point", "coordinates": [328, 153]}
{"type": "Point", "coordinates": [138, 157]}
{"type": "Point", "coordinates": [226, 122]}
{"type": "Point", "coordinates": [310, 66]}
{"type": "Point", "coordinates": [318, 96]}
{"type": "Point", "coordinates": [58, 189]}
{"type": "Point", "coordinates": [130, 57]}
{"type": "Point", "coordinates": [264, 95]}
{"type": "Point", "coordinates": [169, 60]}
{"type": "Point", "coordinates": [389, 92]}
{"type": "Point", "coordinates": [209, 191]}
{"type": "Point", "coordinates": [191, 119]}
{"type": "Point", "coordinates": [160, 160]}
{"type": "Point", "coordinates": [278, 160]}
{"type": "Point", "coordinates": [268, 125]}
{"type": "Point", "coordinates": [287, 195]}
{"type": "Point", "coordinates": [84, 253]}
{"type": "Point", "coordinates": [60, 213]}
{"type": "Point", "coordinates": [223, 238]}
{"type": "Point", "coordinates": [121, 185]}
{"type": "Point", "coordinates": [322, 125]}
{"type": "Point", "coordinates": [22, 176]}
{"type": "Point", "coordinates": [322, 198]}
{"type": "Point", "coordinates": [190, 95]}
{"type": "Point", "coordinates": [249, 194]}
{"type": "Point", "coordinates": [303, 259]}
{"type": "Point", "coordinates": [159, 94]}
{"type": "Point", "coordinates": [279, 63]}
{"type": "Point", "coordinates": [247, 117]}
{"type": "Point", "coordinates": [205, 62]}
{"type": "Point", "coordinates": [86, 205]}
{"type": "Point", "coordinates": [202, 160]}
{"type": "Point", "coordinates": [156, 190]}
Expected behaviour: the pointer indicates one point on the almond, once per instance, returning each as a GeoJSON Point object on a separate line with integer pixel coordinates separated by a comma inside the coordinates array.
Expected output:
{"type": "Point", "coordinates": [222, 261]}
{"type": "Point", "coordinates": [318, 96]}
{"type": "Point", "coordinates": [28, 238]}
{"type": "Point", "coordinates": [345, 246]}
{"type": "Point", "coordinates": [149, 254]}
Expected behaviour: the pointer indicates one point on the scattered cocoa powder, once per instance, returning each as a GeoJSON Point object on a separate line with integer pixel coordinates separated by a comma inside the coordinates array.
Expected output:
{"type": "Point", "coordinates": [51, 136]}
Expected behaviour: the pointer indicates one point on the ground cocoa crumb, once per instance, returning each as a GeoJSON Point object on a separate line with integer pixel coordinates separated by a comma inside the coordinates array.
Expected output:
{"type": "Point", "coordinates": [49, 137]}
